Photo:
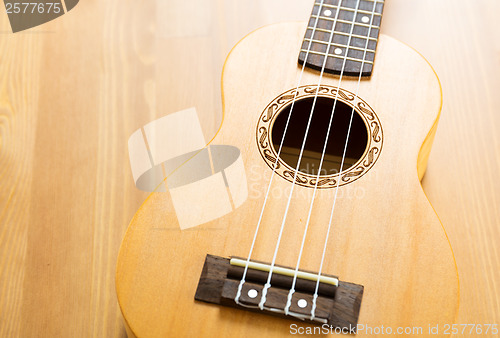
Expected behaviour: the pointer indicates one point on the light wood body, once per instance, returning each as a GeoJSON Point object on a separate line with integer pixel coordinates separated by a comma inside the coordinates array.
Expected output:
{"type": "Point", "coordinates": [385, 234]}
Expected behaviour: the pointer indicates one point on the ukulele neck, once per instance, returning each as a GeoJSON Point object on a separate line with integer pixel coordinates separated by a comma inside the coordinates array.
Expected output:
{"type": "Point", "coordinates": [341, 36]}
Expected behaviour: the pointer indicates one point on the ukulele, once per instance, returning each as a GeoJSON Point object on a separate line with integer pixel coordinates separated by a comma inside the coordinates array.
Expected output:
{"type": "Point", "coordinates": [334, 123]}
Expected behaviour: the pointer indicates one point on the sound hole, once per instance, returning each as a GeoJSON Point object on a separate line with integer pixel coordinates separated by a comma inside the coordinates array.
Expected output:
{"type": "Point", "coordinates": [358, 136]}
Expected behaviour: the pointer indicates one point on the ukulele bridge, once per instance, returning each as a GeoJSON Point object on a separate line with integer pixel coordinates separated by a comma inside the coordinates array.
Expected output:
{"type": "Point", "coordinates": [337, 302]}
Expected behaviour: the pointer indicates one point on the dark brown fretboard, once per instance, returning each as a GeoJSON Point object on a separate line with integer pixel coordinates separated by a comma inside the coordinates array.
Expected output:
{"type": "Point", "coordinates": [355, 25]}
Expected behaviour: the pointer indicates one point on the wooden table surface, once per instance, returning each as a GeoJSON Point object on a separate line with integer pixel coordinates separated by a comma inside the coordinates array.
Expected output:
{"type": "Point", "coordinates": [73, 90]}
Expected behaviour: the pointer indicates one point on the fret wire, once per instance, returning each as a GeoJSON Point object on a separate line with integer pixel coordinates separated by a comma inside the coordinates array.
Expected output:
{"type": "Point", "coordinates": [337, 56]}
{"type": "Point", "coordinates": [340, 45]}
{"type": "Point", "coordinates": [342, 33]}
{"type": "Point", "coordinates": [350, 9]}
{"type": "Point", "coordinates": [345, 21]}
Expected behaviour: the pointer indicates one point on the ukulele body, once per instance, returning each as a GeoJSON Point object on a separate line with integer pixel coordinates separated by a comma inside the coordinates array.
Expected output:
{"type": "Point", "coordinates": [385, 235]}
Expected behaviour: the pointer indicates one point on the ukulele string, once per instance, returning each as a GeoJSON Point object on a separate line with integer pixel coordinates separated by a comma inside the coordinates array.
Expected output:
{"type": "Point", "coordinates": [292, 289]}
{"type": "Point", "coordinates": [268, 282]}
{"type": "Point", "coordinates": [313, 309]}
{"type": "Point", "coordinates": [242, 281]}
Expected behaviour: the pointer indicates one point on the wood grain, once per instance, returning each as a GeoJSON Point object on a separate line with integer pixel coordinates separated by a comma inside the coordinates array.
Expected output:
{"type": "Point", "coordinates": [73, 90]}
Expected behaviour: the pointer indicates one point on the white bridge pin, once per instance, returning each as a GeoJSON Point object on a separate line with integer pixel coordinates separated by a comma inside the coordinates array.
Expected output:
{"type": "Point", "coordinates": [252, 293]}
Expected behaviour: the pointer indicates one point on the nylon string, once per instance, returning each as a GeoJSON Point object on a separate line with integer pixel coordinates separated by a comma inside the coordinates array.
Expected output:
{"type": "Point", "coordinates": [268, 282]}
{"type": "Point", "coordinates": [292, 289]}
{"type": "Point", "coordinates": [240, 286]}
{"type": "Point", "coordinates": [313, 309]}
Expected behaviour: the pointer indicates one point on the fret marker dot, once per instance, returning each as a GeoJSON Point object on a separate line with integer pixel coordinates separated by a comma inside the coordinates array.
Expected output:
{"type": "Point", "coordinates": [302, 303]}
{"type": "Point", "coordinates": [252, 293]}
{"type": "Point", "coordinates": [338, 51]}
{"type": "Point", "coordinates": [365, 19]}
{"type": "Point", "coordinates": [327, 12]}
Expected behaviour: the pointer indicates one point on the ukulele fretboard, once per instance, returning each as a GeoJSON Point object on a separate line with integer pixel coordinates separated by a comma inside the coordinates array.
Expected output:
{"type": "Point", "coordinates": [345, 32]}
